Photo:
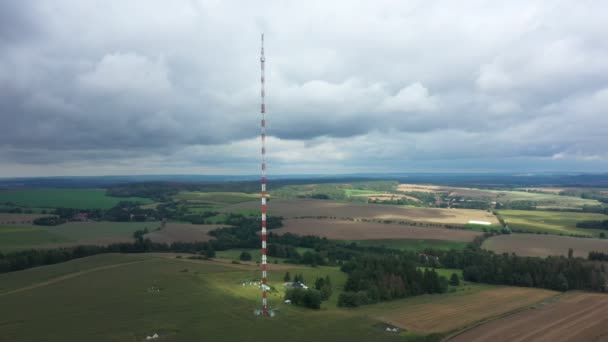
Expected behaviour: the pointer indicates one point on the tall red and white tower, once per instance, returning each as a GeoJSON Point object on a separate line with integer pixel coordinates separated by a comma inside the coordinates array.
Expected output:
{"type": "Point", "coordinates": [263, 124]}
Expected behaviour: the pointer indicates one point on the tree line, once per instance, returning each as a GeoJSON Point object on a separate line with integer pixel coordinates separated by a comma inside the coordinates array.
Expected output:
{"type": "Point", "coordinates": [380, 278]}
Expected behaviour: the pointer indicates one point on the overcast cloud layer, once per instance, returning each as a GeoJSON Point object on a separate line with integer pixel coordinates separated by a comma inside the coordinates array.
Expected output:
{"type": "Point", "coordinates": [153, 87]}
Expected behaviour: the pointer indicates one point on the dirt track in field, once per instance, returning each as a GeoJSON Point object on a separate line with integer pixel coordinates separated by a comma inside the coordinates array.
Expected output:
{"type": "Point", "coordinates": [183, 232]}
{"type": "Point", "coordinates": [323, 208]}
{"type": "Point", "coordinates": [574, 317]}
{"type": "Point", "coordinates": [349, 230]}
{"type": "Point", "coordinates": [542, 245]}
{"type": "Point", "coordinates": [449, 312]}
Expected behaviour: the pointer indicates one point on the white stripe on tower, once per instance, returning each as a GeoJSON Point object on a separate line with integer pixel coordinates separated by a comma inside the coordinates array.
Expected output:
{"type": "Point", "coordinates": [263, 125]}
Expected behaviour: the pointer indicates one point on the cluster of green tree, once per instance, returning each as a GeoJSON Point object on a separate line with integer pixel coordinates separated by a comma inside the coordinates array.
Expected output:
{"type": "Point", "coordinates": [323, 285]}
{"type": "Point", "coordinates": [16, 210]}
{"type": "Point", "coordinates": [49, 221]}
{"type": "Point", "coordinates": [245, 256]}
{"type": "Point", "coordinates": [555, 273]}
{"type": "Point", "coordinates": [123, 211]}
{"type": "Point", "coordinates": [380, 278]}
{"type": "Point", "coordinates": [595, 209]}
{"type": "Point", "coordinates": [309, 298]}
{"type": "Point", "coordinates": [598, 256]}
{"type": "Point", "coordinates": [517, 205]}
{"type": "Point", "coordinates": [593, 224]}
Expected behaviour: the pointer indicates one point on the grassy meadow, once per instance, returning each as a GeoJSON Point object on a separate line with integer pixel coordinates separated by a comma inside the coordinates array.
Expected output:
{"type": "Point", "coordinates": [64, 198]}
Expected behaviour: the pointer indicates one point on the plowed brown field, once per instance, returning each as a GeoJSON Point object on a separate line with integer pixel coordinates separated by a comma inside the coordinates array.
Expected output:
{"type": "Point", "coordinates": [575, 317]}
{"type": "Point", "coordinates": [349, 230]}
{"type": "Point", "coordinates": [323, 208]}
{"type": "Point", "coordinates": [544, 245]}
{"type": "Point", "coordinates": [443, 313]}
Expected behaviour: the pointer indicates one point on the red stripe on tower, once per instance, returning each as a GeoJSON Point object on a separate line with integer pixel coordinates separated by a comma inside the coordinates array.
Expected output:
{"type": "Point", "coordinates": [263, 189]}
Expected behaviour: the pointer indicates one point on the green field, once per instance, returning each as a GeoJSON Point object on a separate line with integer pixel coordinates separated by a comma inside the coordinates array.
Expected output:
{"type": "Point", "coordinates": [66, 198]}
{"type": "Point", "coordinates": [550, 222]}
{"type": "Point", "coordinates": [482, 227]}
{"type": "Point", "coordinates": [180, 299]}
{"type": "Point", "coordinates": [413, 245]}
{"type": "Point", "coordinates": [18, 237]}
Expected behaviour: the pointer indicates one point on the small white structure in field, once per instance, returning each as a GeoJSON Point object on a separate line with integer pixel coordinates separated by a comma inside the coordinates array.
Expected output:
{"type": "Point", "coordinates": [265, 287]}
{"type": "Point", "coordinates": [483, 223]}
{"type": "Point", "coordinates": [287, 301]}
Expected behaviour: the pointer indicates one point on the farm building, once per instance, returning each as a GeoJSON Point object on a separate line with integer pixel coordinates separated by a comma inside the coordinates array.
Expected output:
{"type": "Point", "coordinates": [484, 223]}
{"type": "Point", "coordinates": [296, 285]}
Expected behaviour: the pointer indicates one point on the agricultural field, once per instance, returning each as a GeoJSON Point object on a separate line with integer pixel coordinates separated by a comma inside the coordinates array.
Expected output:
{"type": "Point", "coordinates": [324, 208]}
{"type": "Point", "coordinates": [182, 300]}
{"type": "Point", "coordinates": [18, 237]}
{"type": "Point", "coordinates": [64, 198]}
{"type": "Point", "coordinates": [448, 312]}
{"type": "Point", "coordinates": [540, 245]}
{"type": "Point", "coordinates": [182, 232]}
{"type": "Point", "coordinates": [349, 230]}
{"type": "Point", "coordinates": [573, 317]}
{"type": "Point", "coordinates": [545, 200]}
{"type": "Point", "coordinates": [215, 198]}
{"type": "Point", "coordinates": [179, 299]}
{"type": "Point", "coordinates": [414, 245]}
{"type": "Point", "coordinates": [550, 222]}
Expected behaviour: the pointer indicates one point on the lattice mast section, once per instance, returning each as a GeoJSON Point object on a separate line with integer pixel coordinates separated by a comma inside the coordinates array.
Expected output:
{"type": "Point", "coordinates": [263, 135]}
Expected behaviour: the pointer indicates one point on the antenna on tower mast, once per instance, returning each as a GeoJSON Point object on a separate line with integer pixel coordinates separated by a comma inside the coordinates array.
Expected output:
{"type": "Point", "coordinates": [263, 134]}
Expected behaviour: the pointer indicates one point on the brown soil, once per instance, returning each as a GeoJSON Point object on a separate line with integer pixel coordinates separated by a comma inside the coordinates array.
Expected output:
{"type": "Point", "coordinates": [323, 208]}
{"type": "Point", "coordinates": [575, 317]}
{"type": "Point", "coordinates": [449, 312]}
{"type": "Point", "coordinates": [541, 245]}
{"type": "Point", "coordinates": [349, 230]}
{"type": "Point", "coordinates": [19, 218]}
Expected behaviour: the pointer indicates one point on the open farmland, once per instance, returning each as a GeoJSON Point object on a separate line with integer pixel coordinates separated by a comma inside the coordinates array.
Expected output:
{"type": "Point", "coordinates": [574, 317]}
{"type": "Point", "coordinates": [550, 222]}
{"type": "Point", "coordinates": [180, 299]}
{"type": "Point", "coordinates": [448, 312]}
{"type": "Point", "coordinates": [540, 245]}
{"type": "Point", "coordinates": [323, 208]}
{"type": "Point", "coordinates": [17, 237]}
{"type": "Point", "coordinates": [215, 198]}
{"type": "Point", "coordinates": [182, 232]}
{"type": "Point", "coordinates": [65, 198]}
{"type": "Point", "coordinates": [349, 230]}
{"type": "Point", "coordinates": [414, 245]}
{"type": "Point", "coordinates": [544, 200]}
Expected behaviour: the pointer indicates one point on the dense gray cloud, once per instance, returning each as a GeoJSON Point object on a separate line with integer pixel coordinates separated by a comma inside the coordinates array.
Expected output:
{"type": "Point", "coordinates": [154, 87]}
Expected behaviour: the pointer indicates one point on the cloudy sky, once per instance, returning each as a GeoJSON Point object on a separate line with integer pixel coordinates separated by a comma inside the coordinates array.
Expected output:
{"type": "Point", "coordinates": [157, 87]}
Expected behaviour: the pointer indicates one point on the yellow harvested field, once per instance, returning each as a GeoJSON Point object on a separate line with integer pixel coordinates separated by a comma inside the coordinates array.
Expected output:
{"type": "Point", "coordinates": [448, 312]}
{"type": "Point", "coordinates": [323, 208]}
{"type": "Point", "coordinates": [574, 317]}
{"type": "Point", "coordinates": [182, 232]}
{"type": "Point", "coordinates": [419, 188]}
{"type": "Point", "coordinates": [349, 230]}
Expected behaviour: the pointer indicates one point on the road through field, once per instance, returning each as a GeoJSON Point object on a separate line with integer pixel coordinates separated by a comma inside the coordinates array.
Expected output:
{"type": "Point", "coordinates": [574, 317]}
